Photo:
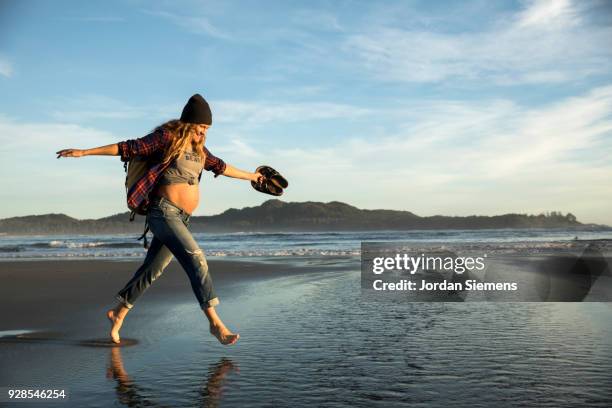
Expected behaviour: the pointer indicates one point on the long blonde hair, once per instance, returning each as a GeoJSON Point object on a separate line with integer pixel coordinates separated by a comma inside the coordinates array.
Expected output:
{"type": "Point", "coordinates": [182, 135]}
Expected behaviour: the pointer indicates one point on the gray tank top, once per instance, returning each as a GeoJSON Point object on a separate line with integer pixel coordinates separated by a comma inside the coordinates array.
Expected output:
{"type": "Point", "coordinates": [185, 169]}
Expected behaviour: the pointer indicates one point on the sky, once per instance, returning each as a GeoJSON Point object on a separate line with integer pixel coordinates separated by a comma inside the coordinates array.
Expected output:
{"type": "Point", "coordinates": [446, 107]}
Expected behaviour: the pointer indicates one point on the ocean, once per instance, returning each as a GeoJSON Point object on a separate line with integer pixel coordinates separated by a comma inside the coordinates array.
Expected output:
{"type": "Point", "coordinates": [255, 245]}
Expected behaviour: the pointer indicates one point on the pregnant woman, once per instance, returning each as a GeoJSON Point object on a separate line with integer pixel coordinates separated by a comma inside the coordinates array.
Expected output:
{"type": "Point", "coordinates": [169, 192]}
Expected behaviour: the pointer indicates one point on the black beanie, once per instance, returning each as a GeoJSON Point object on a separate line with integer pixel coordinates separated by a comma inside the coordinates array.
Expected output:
{"type": "Point", "coordinates": [197, 111]}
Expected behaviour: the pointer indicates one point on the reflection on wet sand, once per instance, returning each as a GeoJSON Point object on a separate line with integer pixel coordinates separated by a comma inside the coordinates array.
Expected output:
{"type": "Point", "coordinates": [30, 336]}
{"type": "Point", "coordinates": [129, 393]}
{"type": "Point", "coordinates": [212, 391]}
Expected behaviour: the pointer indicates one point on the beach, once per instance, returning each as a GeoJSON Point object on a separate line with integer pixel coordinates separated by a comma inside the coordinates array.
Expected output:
{"type": "Point", "coordinates": [309, 337]}
{"type": "Point", "coordinates": [66, 290]}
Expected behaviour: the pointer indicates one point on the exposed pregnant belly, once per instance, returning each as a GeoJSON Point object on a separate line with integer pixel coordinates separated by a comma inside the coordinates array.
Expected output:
{"type": "Point", "coordinates": [184, 195]}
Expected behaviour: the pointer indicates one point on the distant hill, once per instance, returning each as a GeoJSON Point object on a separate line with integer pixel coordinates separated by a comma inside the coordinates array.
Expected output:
{"type": "Point", "coordinates": [277, 215]}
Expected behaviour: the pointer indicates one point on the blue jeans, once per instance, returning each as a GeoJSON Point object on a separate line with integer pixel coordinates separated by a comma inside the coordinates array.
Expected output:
{"type": "Point", "coordinates": [171, 237]}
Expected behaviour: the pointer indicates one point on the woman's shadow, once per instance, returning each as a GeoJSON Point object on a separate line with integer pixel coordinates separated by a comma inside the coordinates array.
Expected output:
{"type": "Point", "coordinates": [129, 393]}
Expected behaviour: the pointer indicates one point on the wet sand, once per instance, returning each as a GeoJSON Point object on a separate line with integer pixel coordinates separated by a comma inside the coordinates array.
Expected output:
{"type": "Point", "coordinates": [65, 293]}
{"type": "Point", "coordinates": [309, 337]}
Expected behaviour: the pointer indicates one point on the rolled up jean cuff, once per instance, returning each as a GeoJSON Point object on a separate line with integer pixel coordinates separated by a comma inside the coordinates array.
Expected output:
{"type": "Point", "coordinates": [124, 302]}
{"type": "Point", "coordinates": [211, 303]}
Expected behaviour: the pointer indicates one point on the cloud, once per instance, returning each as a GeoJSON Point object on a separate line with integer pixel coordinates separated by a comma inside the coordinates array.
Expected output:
{"type": "Point", "coordinates": [194, 24]}
{"type": "Point", "coordinates": [87, 107]}
{"type": "Point", "coordinates": [548, 41]}
{"type": "Point", "coordinates": [96, 19]}
{"type": "Point", "coordinates": [488, 157]}
{"type": "Point", "coordinates": [43, 138]}
{"type": "Point", "coordinates": [317, 20]}
{"type": "Point", "coordinates": [240, 148]}
{"type": "Point", "coordinates": [6, 68]}
{"type": "Point", "coordinates": [261, 112]}
{"type": "Point", "coordinates": [40, 183]}
{"type": "Point", "coordinates": [547, 12]}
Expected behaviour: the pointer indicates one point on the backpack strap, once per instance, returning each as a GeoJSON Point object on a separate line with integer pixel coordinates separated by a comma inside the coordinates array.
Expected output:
{"type": "Point", "coordinates": [146, 229]}
{"type": "Point", "coordinates": [144, 235]}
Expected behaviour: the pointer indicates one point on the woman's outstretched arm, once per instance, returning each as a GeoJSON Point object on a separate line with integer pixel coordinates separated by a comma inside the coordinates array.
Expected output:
{"type": "Point", "coordinates": [231, 171]}
{"type": "Point", "coordinates": [108, 150]}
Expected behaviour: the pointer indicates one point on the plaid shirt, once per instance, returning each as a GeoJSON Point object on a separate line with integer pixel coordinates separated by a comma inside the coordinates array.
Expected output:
{"type": "Point", "coordinates": [155, 142]}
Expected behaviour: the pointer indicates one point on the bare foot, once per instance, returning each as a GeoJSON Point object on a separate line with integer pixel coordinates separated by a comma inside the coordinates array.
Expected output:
{"type": "Point", "coordinates": [116, 323]}
{"type": "Point", "coordinates": [224, 336]}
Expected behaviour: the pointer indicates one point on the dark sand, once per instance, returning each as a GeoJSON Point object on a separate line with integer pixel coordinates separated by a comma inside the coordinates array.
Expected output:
{"type": "Point", "coordinates": [60, 294]}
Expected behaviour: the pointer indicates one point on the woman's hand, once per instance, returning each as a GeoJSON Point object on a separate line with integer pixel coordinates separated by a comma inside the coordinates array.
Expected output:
{"type": "Point", "coordinates": [256, 177]}
{"type": "Point", "coordinates": [70, 153]}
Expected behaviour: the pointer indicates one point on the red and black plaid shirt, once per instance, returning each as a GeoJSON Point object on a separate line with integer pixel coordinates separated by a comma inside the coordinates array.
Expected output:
{"type": "Point", "coordinates": [155, 142]}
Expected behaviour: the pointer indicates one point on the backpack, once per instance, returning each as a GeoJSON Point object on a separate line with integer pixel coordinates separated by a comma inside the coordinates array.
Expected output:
{"type": "Point", "coordinates": [135, 169]}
